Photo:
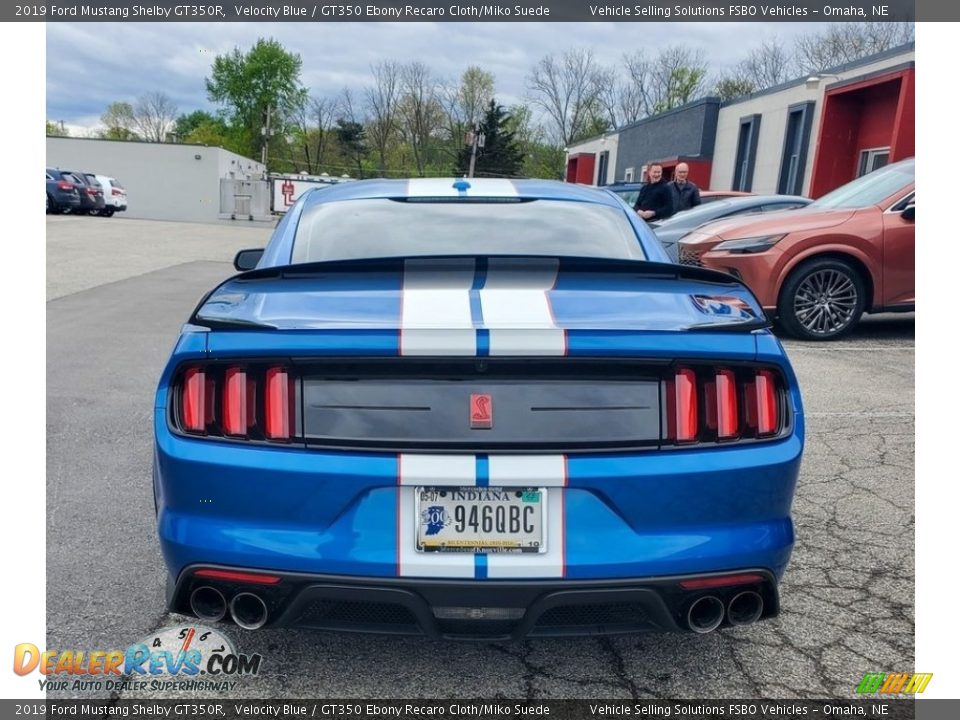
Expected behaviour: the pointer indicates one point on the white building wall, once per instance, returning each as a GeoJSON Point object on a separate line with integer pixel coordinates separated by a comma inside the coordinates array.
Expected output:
{"type": "Point", "coordinates": [773, 107]}
{"type": "Point", "coordinates": [163, 181]}
{"type": "Point", "coordinates": [607, 143]}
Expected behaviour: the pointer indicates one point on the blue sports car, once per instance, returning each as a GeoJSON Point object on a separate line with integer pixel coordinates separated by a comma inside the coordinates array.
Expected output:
{"type": "Point", "coordinates": [475, 409]}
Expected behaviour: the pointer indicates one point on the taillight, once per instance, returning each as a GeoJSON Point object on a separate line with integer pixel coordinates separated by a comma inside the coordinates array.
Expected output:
{"type": "Point", "coordinates": [91, 191]}
{"type": "Point", "coordinates": [278, 417]}
{"type": "Point", "coordinates": [64, 185]}
{"type": "Point", "coordinates": [765, 397]}
{"type": "Point", "coordinates": [194, 401]}
{"type": "Point", "coordinates": [114, 191]}
{"type": "Point", "coordinates": [682, 406]}
{"type": "Point", "coordinates": [707, 404]}
{"type": "Point", "coordinates": [237, 401]}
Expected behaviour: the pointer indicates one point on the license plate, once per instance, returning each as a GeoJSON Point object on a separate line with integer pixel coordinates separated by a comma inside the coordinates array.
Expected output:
{"type": "Point", "coordinates": [477, 519]}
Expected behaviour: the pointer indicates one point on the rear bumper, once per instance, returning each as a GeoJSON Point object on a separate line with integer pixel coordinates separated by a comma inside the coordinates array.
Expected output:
{"type": "Point", "coordinates": [481, 610]}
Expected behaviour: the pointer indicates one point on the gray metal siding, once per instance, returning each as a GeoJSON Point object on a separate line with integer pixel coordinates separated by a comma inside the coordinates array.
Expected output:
{"type": "Point", "coordinates": [685, 132]}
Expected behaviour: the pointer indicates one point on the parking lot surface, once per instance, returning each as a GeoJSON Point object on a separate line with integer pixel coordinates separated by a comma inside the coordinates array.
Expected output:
{"type": "Point", "coordinates": [118, 290]}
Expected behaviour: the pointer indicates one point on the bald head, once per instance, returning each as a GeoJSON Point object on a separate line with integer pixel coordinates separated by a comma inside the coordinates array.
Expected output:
{"type": "Point", "coordinates": [680, 172]}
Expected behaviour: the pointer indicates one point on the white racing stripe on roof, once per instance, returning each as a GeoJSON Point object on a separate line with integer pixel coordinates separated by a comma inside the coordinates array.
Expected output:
{"type": "Point", "coordinates": [547, 471]}
{"type": "Point", "coordinates": [443, 187]}
{"type": "Point", "coordinates": [426, 470]}
{"type": "Point", "coordinates": [516, 307]}
{"type": "Point", "coordinates": [435, 316]}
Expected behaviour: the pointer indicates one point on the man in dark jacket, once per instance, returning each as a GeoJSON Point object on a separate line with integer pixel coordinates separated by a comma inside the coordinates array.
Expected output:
{"type": "Point", "coordinates": [686, 194]}
{"type": "Point", "coordinates": [655, 201]}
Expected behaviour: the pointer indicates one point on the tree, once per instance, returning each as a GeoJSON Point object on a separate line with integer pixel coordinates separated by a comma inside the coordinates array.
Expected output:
{"type": "Point", "coordinates": [353, 139]}
{"type": "Point", "coordinates": [500, 156]}
{"type": "Point", "coordinates": [118, 122]}
{"type": "Point", "coordinates": [731, 87]}
{"type": "Point", "coordinates": [568, 91]}
{"type": "Point", "coordinates": [154, 116]}
{"type": "Point", "coordinates": [464, 103]}
{"type": "Point", "coordinates": [541, 158]}
{"type": "Point", "coordinates": [768, 65]}
{"type": "Point", "coordinates": [257, 87]}
{"type": "Point", "coordinates": [678, 75]}
{"type": "Point", "coordinates": [419, 111]}
{"type": "Point", "coordinates": [57, 130]}
{"type": "Point", "coordinates": [844, 42]}
{"type": "Point", "coordinates": [382, 102]}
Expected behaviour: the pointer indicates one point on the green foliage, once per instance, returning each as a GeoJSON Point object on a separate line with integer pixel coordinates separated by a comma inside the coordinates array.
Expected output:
{"type": "Point", "coordinates": [730, 87]}
{"type": "Point", "coordinates": [500, 155]}
{"type": "Point", "coordinates": [682, 87]}
{"type": "Point", "coordinates": [56, 130]}
{"type": "Point", "coordinates": [118, 122]}
{"type": "Point", "coordinates": [249, 85]}
{"type": "Point", "coordinates": [353, 139]}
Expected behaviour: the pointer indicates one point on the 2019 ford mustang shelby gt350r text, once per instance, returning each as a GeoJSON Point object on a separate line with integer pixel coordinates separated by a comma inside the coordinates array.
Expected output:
{"type": "Point", "coordinates": [476, 408]}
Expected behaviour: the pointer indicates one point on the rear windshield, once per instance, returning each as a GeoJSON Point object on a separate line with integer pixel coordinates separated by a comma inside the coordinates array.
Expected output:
{"type": "Point", "coordinates": [115, 184]}
{"type": "Point", "coordinates": [871, 189]}
{"type": "Point", "coordinates": [357, 229]}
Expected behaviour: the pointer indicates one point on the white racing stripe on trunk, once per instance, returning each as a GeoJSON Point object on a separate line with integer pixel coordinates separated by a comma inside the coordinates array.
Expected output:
{"type": "Point", "coordinates": [432, 187]}
{"type": "Point", "coordinates": [435, 316]}
{"type": "Point", "coordinates": [417, 470]}
{"type": "Point", "coordinates": [547, 471]}
{"type": "Point", "coordinates": [516, 307]}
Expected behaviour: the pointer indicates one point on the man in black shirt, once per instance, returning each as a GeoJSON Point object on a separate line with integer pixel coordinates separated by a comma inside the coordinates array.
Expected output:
{"type": "Point", "coordinates": [686, 194]}
{"type": "Point", "coordinates": [655, 201]}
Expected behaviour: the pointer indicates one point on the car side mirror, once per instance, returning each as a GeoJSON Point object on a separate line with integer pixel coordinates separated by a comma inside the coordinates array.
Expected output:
{"type": "Point", "coordinates": [908, 212]}
{"type": "Point", "coordinates": [247, 259]}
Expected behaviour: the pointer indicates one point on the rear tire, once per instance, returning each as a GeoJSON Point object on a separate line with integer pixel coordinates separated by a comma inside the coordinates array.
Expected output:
{"type": "Point", "coordinates": [51, 206]}
{"type": "Point", "coordinates": [822, 299]}
{"type": "Point", "coordinates": [107, 213]}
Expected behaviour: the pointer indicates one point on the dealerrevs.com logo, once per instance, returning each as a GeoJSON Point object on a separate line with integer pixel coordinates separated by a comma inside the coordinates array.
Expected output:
{"type": "Point", "coordinates": [189, 657]}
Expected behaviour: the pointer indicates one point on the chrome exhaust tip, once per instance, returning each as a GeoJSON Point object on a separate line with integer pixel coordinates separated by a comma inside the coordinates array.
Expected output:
{"type": "Point", "coordinates": [249, 611]}
{"type": "Point", "coordinates": [705, 614]}
{"type": "Point", "coordinates": [745, 608]}
{"type": "Point", "coordinates": [208, 604]}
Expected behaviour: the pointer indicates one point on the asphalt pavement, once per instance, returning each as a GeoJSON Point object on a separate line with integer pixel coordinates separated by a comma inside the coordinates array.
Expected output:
{"type": "Point", "coordinates": [118, 291]}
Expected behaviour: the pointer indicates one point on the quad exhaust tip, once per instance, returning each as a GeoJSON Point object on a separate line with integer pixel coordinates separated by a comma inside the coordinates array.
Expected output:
{"type": "Point", "coordinates": [208, 604]}
{"type": "Point", "coordinates": [745, 608]}
{"type": "Point", "coordinates": [705, 614]}
{"type": "Point", "coordinates": [249, 611]}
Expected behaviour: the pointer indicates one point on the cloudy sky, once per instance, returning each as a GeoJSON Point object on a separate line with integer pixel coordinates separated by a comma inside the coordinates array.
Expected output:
{"type": "Point", "coordinates": [90, 65]}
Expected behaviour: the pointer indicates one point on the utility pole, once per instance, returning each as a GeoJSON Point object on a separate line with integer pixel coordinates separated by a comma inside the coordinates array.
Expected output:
{"type": "Point", "coordinates": [266, 138]}
{"type": "Point", "coordinates": [476, 139]}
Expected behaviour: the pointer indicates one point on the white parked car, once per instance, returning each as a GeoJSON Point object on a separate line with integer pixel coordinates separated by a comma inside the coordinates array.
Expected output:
{"type": "Point", "coordinates": [114, 195]}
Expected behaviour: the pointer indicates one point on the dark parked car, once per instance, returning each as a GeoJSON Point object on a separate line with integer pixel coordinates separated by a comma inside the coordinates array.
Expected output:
{"type": "Point", "coordinates": [91, 193]}
{"type": "Point", "coordinates": [670, 231]}
{"type": "Point", "coordinates": [62, 194]}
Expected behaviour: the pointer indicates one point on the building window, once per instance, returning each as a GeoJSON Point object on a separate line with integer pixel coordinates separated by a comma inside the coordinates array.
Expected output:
{"type": "Point", "coordinates": [604, 163]}
{"type": "Point", "coordinates": [795, 143]}
{"type": "Point", "coordinates": [746, 153]}
{"type": "Point", "coordinates": [873, 159]}
{"type": "Point", "coordinates": [628, 175]}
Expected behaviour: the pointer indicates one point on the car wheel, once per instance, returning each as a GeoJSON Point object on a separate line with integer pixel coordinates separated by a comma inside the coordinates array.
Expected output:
{"type": "Point", "coordinates": [822, 300]}
{"type": "Point", "coordinates": [107, 213]}
{"type": "Point", "coordinates": [49, 205]}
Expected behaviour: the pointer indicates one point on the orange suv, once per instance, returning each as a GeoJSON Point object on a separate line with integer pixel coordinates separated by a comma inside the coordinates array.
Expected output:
{"type": "Point", "coordinates": [819, 268]}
